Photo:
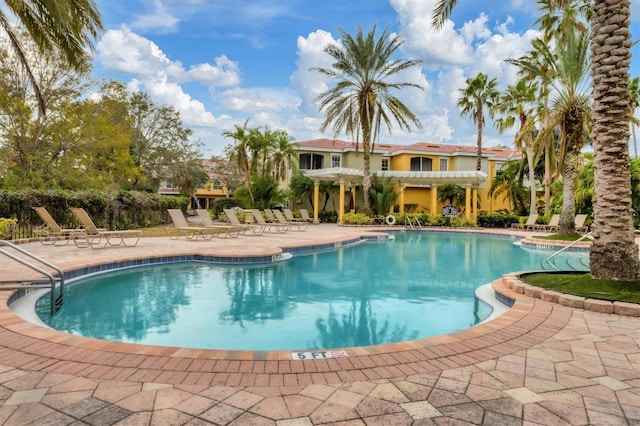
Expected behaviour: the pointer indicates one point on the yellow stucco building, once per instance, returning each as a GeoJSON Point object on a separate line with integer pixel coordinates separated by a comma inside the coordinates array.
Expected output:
{"type": "Point", "coordinates": [417, 171]}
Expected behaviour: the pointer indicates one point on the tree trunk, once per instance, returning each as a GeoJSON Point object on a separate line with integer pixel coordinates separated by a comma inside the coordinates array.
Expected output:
{"type": "Point", "coordinates": [528, 145]}
{"type": "Point", "coordinates": [547, 180]}
{"type": "Point", "coordinates": [480, 123]}
{"type": "Point", "coordinates": [614, 254]}
{"type": "Point", "coordinates": [569, 176]}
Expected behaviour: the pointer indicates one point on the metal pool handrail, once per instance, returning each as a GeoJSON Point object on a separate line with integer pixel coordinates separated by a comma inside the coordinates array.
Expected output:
{"type": "Point", "coordinates": [548, 259]}
{"type": "Point", "coordinates": [56, 303]}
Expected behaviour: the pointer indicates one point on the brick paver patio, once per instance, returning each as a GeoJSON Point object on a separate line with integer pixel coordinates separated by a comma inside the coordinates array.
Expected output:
{"type": "Point", "coordinates": [541, 363]}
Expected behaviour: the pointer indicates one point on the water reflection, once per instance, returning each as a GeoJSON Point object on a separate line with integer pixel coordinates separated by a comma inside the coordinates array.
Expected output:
{"type": "Point", "coordinates": [417, 285]}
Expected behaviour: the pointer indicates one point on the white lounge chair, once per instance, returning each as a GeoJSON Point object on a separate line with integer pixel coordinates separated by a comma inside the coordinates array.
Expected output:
{"type": "Point", "coordinates": [305, 215]}
{"type": "Point", "coordinates": [94, 237]}
{"type": "Point", "coordinates": [528, 225]}
{"type": "Point", "coordinates": [552, 226]}
{"type": "Point", "coordinates": [51, 232]}
{"type": "Point", "coordinates": [226, 230]}
{"type": "Point", "coordinates": [269, 226]}
{"type": "Point", "coordinates": [182, 228]}
{"type": "Point", "coordinates": [249, 228]}
{"type": "Point", "coordinates": [296, 226]}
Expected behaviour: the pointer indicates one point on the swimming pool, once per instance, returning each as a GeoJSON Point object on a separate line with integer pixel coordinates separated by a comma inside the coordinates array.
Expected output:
{"type": "Point", "coordinates": [416, 285]}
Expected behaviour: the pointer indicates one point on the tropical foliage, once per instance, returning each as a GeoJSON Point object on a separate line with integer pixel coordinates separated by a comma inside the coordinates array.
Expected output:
{"type": "Point", "coordinates": [361, 102]}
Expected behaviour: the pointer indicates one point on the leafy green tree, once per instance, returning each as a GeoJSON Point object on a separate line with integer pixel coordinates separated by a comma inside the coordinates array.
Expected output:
{"type": "Point", "coordinates": [450, 193]}
{"type": "Point", "coordinates": [480, 93]}
{"type": "Point", "coordinates": [66, 26]}
{"type": "Point", "coordinates": [361, 101]}
{"type": "Point", "coordinates": [567, 62]}
{"type": "Point", "coordinates": [517, 104]}
{"type": "Point", "coordinates": [508, 181]}
{"type": "Point", "coordinates": [301, 187]}
{"type": "Point", "coordinates": [382, 195]}
{"type": "Point", "coordinates": [284, 155]}
{"type": "Point", "coordinates": [160, 141]}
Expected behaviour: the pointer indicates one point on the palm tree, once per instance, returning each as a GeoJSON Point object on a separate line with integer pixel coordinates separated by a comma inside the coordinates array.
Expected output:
{"type": "Point", "coordinates": [634, 102]}
{"type": "Point", "coordinates": [518, 103]}
{"type": "Point", "coordinates": [508, 181]}
{"type": "Point", "coordinates": [479, 93]}
{"type": "Point", "coordinates": [614, 253]}
{"type": "Point", "coordinates": [450, 192]}
{"type": "Point", "coordinates": [240, 152]}
{"type": "Point", "coordinates": [361, 100]}
{"type": "Point", "coordinates": [570, 110]}
{"type": "Point", "coordinates": [284, 155]}
{"type": "Point", "coordinates": [66, 26]}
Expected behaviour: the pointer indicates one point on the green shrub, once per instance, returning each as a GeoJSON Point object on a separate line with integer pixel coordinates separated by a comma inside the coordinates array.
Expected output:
{"type": "Point", "coordinates": [462, 222]}
{"type": "Point", "coordinates": [6, 227]}
{"type": "Point", "coordinates": [357, 219]}
{"type": "Point", "coordinates": [498, 220]}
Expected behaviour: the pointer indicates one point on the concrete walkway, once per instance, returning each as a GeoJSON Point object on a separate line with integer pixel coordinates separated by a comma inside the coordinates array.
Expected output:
{"type": "Point", "coordinates": [539, 363]}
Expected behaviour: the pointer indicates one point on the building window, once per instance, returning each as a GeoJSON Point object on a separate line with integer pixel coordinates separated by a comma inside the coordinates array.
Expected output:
{"type": "Point", "coordinates": [311, 161]}
{"type": "Point", "coordinates": [385, 164]}
{"type": "Point", "coordinates": [336, 160]}
{"type": "Point", "coordinates": [217, 184]}
{"type": "Point", "coordinates": [420, 164]}
{"type": "Point", "coordinates": [444, 164]}
{"type": "Point", "coordinates": [169, 185]}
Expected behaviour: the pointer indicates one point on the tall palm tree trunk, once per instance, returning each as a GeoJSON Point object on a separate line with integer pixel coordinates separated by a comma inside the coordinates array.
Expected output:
{"type": "Point", "coordinates": [569, 177]}
{"type": "Point", "coordinates": [480, 123]}
{"type": "Point", "coordinates": [614, 254]}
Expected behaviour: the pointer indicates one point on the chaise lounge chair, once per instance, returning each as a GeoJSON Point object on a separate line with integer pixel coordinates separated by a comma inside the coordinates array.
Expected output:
{"type": "Point", "coordinates": [95, 237]}
{"type": "Point", "coordinates": [249, 228]}
{"type": "Point", "coordinates": [290, 217]}
{"type": "Point", "coordinates": [552, 226]}
{"type": "Point", "coordinates": [181, 228]}
{"type": "Point", "coordinates": [226, 230]}
{"type": "Point", "coordinates": [296, 226]}
{"type": "Point", "coordinates": [51, 232]}
{"type": "Point", "coordinates": [305, 216]}
{"type": "Point", "coordinates": [528, 225]}
{"type": "Point", "coordinates": [269, 226]}
{"type": "Point", "coordinates": [579, 224]}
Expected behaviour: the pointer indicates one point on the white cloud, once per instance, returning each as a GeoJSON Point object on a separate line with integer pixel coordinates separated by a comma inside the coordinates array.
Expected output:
{"type": "Point", "coordinates": [159, 19]}
{"type": "Point", "coordinates": [259, 101]}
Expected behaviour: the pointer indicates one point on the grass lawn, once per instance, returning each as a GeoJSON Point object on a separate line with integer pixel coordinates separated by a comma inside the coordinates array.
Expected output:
{"type": "Point", "coordinates": [582, 284]}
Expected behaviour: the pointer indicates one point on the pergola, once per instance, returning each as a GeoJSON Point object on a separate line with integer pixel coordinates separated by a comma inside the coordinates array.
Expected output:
{"type": "Point", "coordinates": [470, 180]}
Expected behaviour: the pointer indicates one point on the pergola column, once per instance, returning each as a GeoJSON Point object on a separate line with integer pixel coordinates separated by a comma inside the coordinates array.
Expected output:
{"type": "Point", "coordinates": [341, 208]}
{"type": "Point", "coordinates": [467, 201]}
{"type": "Point", "coordinates": [434, 198]}
{"type": "Point", "coordinates": [475, 202]}
{"type": "Point", "coordinates": [353, 197]}
{"type": "Point", "coordinates": [316, 200]}
{"type": "Point", "coordinates": [401, 207]}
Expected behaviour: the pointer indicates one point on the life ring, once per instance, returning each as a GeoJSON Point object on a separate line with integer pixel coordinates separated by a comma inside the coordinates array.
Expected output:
{"type": "Point", "coordinates": [390, 220]}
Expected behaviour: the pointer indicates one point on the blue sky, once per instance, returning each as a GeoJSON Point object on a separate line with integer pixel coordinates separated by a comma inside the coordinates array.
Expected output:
{"type": "Point", "coordinates": [220, 62]}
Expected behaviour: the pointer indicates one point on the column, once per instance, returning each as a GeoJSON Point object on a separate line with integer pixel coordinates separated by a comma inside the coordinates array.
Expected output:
{"type": "Point", "coordinates": [341, 208]}
{"type": "Point", "coordinates": [467, 200]}
{"type": "Point", "coordinates": [434, 199]}
{"type": "Point", "coordinates": [401, 202]}
{"type": "Point", "coordinates": [475, 202]}
{"type": "Point", "coordinates": [316, 200]}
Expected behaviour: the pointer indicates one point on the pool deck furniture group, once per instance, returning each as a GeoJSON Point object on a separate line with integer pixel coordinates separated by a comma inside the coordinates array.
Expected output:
{"type": "Point", "coordinates": [540, 363]}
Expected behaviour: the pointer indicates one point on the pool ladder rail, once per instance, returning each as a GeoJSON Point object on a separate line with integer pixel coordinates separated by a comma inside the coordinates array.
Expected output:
{"type": "Point", "coordinates": [412, 223]}
{"type": "Point", "coordinates": [34, 263]}
{"type": "Point", "coordinates": [548, 261]}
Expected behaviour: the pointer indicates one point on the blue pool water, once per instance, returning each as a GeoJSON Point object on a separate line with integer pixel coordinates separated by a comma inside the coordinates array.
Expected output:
{"type": "Point", "coordinates": [416, 285]}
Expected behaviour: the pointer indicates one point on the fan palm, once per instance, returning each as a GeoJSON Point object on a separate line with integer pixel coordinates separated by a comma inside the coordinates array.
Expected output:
{"type": "Point", "coordinates": [66, 26]}
{"type": "Point", "coordinates": [361, 101]}
{"type": "Point", "coordinates": [479, 93]}
{"type": "Point", "coordinates": [518, 103]}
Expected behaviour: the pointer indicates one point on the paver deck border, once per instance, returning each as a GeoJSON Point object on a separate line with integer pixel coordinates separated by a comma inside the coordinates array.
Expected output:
{"type": "Point", "coordinates": [31, 347]}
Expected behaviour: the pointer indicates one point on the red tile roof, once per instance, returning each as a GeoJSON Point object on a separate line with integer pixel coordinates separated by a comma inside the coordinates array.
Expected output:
{"type": "Point", "coordinates": [418, 147]}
